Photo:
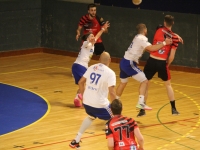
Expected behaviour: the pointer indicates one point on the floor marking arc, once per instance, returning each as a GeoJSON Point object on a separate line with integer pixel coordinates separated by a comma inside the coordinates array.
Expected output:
{"type": "Point", "coordinates": [197, 123]}
{"type": "Point", "coordinates": [47, 112]}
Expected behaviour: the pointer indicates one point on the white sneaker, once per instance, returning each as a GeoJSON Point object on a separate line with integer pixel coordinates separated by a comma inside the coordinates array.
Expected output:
{"type": "Point", "coordinates": [143, 106]}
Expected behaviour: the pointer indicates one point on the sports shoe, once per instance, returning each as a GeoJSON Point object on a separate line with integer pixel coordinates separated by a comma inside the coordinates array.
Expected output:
{"type": "Point", "coordinates": [143, 106]}
{"type": "Point", "coordinates": [175, 112]}
{"type": "Point", "coordinates": [77, 102]}
{"type": "Point", "coordinates": [74, 144]}
{"type": "Point", "coordinates": [141, 113]}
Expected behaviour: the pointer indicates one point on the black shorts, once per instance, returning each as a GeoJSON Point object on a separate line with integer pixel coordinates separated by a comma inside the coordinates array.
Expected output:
{"type": "Point", "coordinates": [154, 66]}
{"type": "Point", "coordinates": [98, 48]}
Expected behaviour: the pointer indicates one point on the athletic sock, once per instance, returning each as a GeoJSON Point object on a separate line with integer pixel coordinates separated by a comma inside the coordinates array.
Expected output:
{"type": "Point", "coordinates": [141, 99]}
{"type": "Point", "coordinates": [78, 137]}
{"type": "Point", "coordinates": [85, 124]}
{"type": "Point", "coordinates": [173, 104]}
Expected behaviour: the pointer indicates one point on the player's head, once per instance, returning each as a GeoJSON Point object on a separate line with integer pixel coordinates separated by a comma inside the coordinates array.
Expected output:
{"type": "Point", "coordinates": [105, 58]}
{"type": "Point", "coordinates": [168, 21]}
{"type": "Point", "coordinates": [88, 36]}
{"type": "Point", "coordinates": [141, 29]}
{"type": "Point", "coordinates": [92, 9]}
{"type": "Point", "coordinates": [116, 107]}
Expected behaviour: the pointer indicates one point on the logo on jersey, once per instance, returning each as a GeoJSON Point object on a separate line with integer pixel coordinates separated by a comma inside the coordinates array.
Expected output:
{"type": "Point", "coordinates": [133, 147]}
{"type": "Point", "coordinates": [95, 68]}
{"type": "Point", "coordinates": [121, 144]}
{"type": "Point", "coordinates": [160, 51]}
{"type": "Point", "coordinates": [119, 122]}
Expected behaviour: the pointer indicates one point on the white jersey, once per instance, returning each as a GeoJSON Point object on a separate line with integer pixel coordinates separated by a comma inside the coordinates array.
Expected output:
{"type": "Point", "coordinates": [137, 48]}
{"type": "Point", "coordinates": [99, 78]}
{"type": "Point", "coordinates": [85, 54]}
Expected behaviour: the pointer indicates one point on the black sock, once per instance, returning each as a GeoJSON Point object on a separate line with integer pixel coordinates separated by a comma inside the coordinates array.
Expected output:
{"type": "Point", "coordinates": [173, 104]}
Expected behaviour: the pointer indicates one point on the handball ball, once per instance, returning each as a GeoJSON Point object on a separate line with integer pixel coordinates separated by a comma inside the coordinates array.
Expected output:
{"type": "Point", "coordinates": [137, 2]}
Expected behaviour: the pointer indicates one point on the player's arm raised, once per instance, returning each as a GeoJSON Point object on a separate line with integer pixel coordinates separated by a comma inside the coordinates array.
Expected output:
{"type": "Point", "coordinates": [156, 47]}
{"type": "Point", "coordinates": [103, 29]}
{"type": "Point", "coordinates": [78, 32]}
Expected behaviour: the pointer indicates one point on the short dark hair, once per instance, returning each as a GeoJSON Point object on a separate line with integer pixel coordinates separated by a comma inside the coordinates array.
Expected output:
{"type": "Point", "coordinates": [140, 28]}
{"type": "Point", "coordinates": [116, 107]}
{"type": "Point", "coordinates": [85, 36]}
{"type": "Point", "coordinates": [91, 5]}
{"type": "Point", "coordinates": [169, 20]}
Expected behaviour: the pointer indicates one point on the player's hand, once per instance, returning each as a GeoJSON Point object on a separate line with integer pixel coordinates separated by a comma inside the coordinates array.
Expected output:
{"type": "Point", "coordinates": [106, 25]}
{"type": "Point", "coordinates": [168, 41]}
{"type": "Point", "coordinates": [179, 38]}
{"type": "Point", "coordinates": [77, 36]}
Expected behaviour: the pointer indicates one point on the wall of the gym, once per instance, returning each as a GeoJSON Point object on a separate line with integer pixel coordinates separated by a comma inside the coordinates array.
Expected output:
{"type": "Point", "coordinates": [52, 24]}
{"type": "Point", "coordinates": [20, 24]}
{"type": "Point", "coordinates": [65, 17]}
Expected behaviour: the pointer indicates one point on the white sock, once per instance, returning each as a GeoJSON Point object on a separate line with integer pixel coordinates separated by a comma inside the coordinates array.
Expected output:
{"type": "Point", "coordinates": [85, 124]}
{"type": "Point", "coordinates": [141, 99]}
{"type": "Point", "coordinates": [78, 137]}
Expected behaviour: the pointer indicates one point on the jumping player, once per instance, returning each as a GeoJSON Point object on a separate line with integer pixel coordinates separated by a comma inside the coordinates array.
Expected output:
{"type": "Point", "coordinates": [100, 80]}
{"type": "Point", "coordinates": [92, 23]}
{"type": "Point", "coordinates": [121, 131]}
{"type": "Point", "coordinates": [81, 64]}
{"type": "Point", "coordinates": [128, 64]}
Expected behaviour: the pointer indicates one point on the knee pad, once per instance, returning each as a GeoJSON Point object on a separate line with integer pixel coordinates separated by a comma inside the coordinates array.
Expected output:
{"type": "Point", "coordinates": [140, 77]}
{"type": "Point", "coordinates": [124, 80]}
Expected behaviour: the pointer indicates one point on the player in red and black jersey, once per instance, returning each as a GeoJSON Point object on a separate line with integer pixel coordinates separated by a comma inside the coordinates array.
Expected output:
{"type": "Point", "coordinates": [121, 131]}
{"type": "Point", "coordinates": [92, 23]}
{"type": "Point", "coordinates": [159, 61]}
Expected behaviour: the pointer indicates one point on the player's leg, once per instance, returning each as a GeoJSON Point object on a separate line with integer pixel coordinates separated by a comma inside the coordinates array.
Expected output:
{"type": "Point", "coordinates": [124, 80]}
{"type": "Point", "coordinates": [84, 126]}
{"type": "Point", "coordinates": [140, 77]}
{"type": "Point", "coordinates": [142, 112]}
{"type": "Point", "coordinates": [149, 71]}
{"type": "Point", "coordinates": [98, 48]}
{"type": "Point", "coordinates": [78, 71]}
{"type": "Point", "coordinates": [164, 74]}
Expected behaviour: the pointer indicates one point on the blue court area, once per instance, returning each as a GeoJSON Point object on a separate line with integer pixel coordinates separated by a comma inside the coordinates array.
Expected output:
{"type": "Point", "coordinates": [19, 108]}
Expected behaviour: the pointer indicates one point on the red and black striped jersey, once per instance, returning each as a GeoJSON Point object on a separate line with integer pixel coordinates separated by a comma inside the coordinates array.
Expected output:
{"type": "Point", "coordinates": [93, 26]}
{"type": "Point", "coordinates": [161, 34]}
{"type": "Point", "coordinates": [121, 129]}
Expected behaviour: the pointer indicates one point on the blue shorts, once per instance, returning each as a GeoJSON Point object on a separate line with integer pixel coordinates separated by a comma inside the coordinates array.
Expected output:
{"type": "Point", "coordinates": [78, 71]}
{"type": "Point", "coordinates": [128, 68]}
{"type": "Point", "coordinates": [101, 113]}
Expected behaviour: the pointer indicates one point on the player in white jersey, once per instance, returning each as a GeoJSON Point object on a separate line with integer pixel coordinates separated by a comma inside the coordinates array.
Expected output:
{"type": "Point", "coordinates": [81, 64]}
{"type": "Point", "coordinates": [128, 64]}
{"type": "Point", "coordinates": [100, 80]}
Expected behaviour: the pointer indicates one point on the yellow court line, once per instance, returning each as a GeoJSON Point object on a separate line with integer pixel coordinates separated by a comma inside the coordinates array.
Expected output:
{"type": "Point", "coordinates": [34, 70]}
{"type": "Point", "coordinates": [191, 129]}
{"type": "Point", "coordinates": [179, 84]}
{"type": "Point", "coordinates": [48, 110]}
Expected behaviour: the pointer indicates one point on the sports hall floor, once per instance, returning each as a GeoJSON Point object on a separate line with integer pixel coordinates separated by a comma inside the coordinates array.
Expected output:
{"type": "Point", "coordinates": [49, 77]}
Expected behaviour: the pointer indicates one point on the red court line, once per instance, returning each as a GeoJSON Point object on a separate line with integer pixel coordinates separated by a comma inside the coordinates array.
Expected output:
{"type": "Point", "coordinates": [171, 122]}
